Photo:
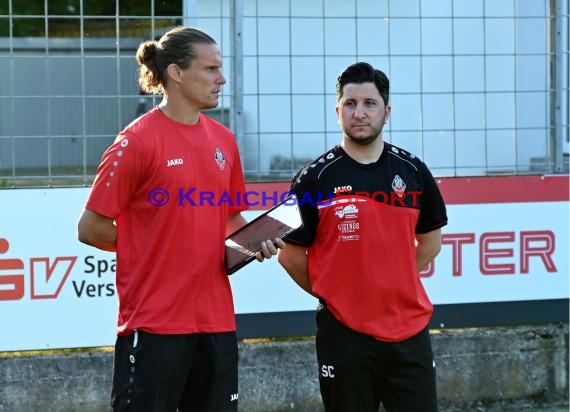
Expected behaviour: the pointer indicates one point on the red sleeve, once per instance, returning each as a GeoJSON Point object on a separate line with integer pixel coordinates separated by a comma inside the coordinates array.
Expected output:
{"type": "Point", "coordinates": [120, 174]}
{"type": "Point", "coordinates": [237, 186]}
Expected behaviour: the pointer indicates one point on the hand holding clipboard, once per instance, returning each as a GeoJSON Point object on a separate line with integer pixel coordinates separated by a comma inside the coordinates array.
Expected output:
{"type": "Point", "coordinates": [277, 222]}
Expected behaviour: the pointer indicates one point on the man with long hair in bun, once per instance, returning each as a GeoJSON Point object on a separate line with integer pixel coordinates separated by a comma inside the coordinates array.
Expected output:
{"type": "Point", "coordinates": [176, 347]}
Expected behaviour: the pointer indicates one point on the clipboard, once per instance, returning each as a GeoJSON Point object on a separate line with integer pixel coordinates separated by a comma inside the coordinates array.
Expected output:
{"type": "Point", "coordinates": [277, 222]}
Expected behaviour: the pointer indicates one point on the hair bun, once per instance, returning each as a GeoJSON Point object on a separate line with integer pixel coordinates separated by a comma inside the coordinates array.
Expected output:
{"type": "Point", "coordinates": [146, 52]}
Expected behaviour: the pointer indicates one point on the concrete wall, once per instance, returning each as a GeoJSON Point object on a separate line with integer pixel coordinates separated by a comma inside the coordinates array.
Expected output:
{"type": "Point", "coordinates": [492, 369]}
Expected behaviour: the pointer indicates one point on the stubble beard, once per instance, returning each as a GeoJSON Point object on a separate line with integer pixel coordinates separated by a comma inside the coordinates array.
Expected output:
{"type": "Point", "coordinates": [366, 140]}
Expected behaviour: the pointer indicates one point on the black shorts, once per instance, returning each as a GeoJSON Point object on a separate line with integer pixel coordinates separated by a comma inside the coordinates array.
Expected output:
{"type": "Point", "coordinates": [357, 372]}
{"type": "Point", "coordinates": [165, 373]}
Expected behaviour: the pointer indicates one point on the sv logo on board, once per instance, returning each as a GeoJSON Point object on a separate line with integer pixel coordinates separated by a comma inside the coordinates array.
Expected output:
{"type": "Point", "coordinates": [47, 275]}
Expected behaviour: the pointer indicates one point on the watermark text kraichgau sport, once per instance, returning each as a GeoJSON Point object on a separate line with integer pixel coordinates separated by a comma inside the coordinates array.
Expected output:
{"type": "Point", "coordinates": [251, 198]}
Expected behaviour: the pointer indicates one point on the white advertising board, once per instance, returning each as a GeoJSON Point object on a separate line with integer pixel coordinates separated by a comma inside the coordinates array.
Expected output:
{"type": "Point", "coordinates": [56, 292]}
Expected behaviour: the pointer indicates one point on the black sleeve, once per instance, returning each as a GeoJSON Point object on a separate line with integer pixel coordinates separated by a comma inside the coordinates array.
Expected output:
{"type": "Point", "coordinates": [303, 187]}
{"type": "Point", "coordinates": [433, 214]}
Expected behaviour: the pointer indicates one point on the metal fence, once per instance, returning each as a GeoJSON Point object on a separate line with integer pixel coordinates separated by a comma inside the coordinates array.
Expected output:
{"type": "Point", "coordinates": [479, 87]}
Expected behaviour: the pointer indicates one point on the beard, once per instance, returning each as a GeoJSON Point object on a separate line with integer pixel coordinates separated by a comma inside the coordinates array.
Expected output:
{"type": "Point", "coordinates": [363, 140]}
